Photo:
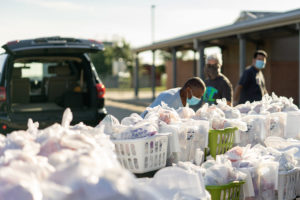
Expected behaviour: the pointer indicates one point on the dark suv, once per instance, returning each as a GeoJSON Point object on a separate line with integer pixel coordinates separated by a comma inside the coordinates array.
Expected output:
{"type": "Point", "coordinates": [40, 78]}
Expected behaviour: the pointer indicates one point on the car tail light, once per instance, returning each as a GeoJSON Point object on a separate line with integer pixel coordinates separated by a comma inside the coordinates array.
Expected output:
{"type": "Point", "coordinates": [2, 94]}
{"type": "Point", "coordinates": [100, 90]}
{"type": "Point", "coordinates": [12, 42]}
{"type": "Point", "coordinates": [4, 127]}
{"type": "Point", "coordinates": [95, 41]}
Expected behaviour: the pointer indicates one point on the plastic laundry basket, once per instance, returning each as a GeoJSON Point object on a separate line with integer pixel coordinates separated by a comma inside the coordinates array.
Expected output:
{"type": "Point", "coordinates": [223, 192]}
{"type": "Point", "coordinates": [288, 183]}
{"type": "Point", "coordinates": [144, 154]}
{"type": "Point", "coordinates": [220, 140]}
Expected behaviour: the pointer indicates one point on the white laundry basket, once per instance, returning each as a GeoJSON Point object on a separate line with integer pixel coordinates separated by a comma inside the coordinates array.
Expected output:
{"type": "Point", "coordinates": [144, 154]}
{"type": "Point", "coordinates": [288, 183]}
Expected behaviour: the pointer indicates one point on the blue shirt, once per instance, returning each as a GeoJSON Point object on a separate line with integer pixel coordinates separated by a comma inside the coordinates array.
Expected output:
{"type": "Point", "coordinates": [171, 97]}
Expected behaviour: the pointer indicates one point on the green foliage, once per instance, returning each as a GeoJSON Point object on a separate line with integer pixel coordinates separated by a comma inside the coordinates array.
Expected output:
{"type": "Point", "coordinates": [122, 50]}
{"type": "Point", "coordinates": [124, 82]}
{"type": "Point", "coordinates": [102, 63]}
{"type": "Point", "coordinates": [161, 69]}
{"type": "Point", "coordinates": [180, 55]}
{"type": "Point", "coordinates": [165, 56]}
{"type": "Point", "coordinates": [115, 51]}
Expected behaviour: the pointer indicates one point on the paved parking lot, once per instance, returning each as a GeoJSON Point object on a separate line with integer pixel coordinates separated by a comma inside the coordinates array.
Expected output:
{"type": "Point", "coordinates": [123, 103]}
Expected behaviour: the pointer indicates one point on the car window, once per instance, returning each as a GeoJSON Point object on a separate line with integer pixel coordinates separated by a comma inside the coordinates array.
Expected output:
{"type": "Point", "coordinates": [2, 61]}
{"type": "Point", "coordinates": [34, 70]}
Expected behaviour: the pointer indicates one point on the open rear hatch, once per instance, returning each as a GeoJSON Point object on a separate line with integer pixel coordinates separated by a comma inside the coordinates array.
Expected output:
{"type": "Point", "coordinates": [44, 97]}
{"type": "Point", "coordinates": [52, 45]}
{"type": "Point", "coordinates": [49, 75]}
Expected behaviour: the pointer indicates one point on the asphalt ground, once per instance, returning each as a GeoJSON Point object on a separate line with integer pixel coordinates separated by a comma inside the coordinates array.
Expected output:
{"type": "Point", "coordinates": [123, 103]}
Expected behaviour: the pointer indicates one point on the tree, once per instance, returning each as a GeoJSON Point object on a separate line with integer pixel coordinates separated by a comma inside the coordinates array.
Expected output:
{"type": "Point", "coordinates": [181, 55]}
{"type": "Point", "coordinates": [113, 51]}
{"type": "Point", "coordinates": [101, 63]}
{"type": "Point", "coordinates": [165, 55]}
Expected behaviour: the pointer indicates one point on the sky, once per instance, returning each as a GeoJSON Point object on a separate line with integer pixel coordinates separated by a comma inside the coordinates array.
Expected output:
{"type": "Point", "coordinates": [129, 19]}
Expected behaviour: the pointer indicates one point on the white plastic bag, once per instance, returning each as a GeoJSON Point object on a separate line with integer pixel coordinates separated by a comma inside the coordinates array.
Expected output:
{"type": "Point", "coordinates": [235, 154]}
{"type": "Point", "coordinates": [293, 125]}
{"type": "Point", "coordinates": [267, 179]}
{"type": "Point", "coordinates": [288, 105]}
{"type": "Point", "coordinates": [173, 141]}
{"type": "Point", "coordinates": [277, 124]}
{"type": "Point", "coordinates": [67, 118]}
{"type": "Point", "coordinates": [133, 119]}
{"type": "Point", "coordinates": [244, 108]}
{"type": "Point", "coordinates": [230, 112]}
{"type": "Point", "coordinates": [139, 130]}
{"type": "Point", "coordinates": [192, 134]}
{"type": "Point", "coordinates": [177, 183]}
{"type": "Point", "coordinates": [32, 127]}
{"type": "Point", "coordinates": [108, 124]}
{"type": "Point", "coordinates": [235, 123]}
{"type": "Point", "coordinates": [221, 172]}
{"type": "Point", "coordinates": [185, 112]}
{"type": "Point", "coordinates": [289, 146]}
{"type": "Point", "coordinates": [164, 113]}
{"type": "Point", "coordinates": [196, 137]}
{"type": "Point", "coordinates": [258, 127]}
{"type": "Point", "coordinates": [209, 112]}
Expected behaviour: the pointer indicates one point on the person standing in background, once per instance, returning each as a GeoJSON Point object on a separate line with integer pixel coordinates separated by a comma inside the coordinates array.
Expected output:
{"type": "Point", "coordinates": [217, 84]}
{"type": "Point", "coordinates": [251, 86]}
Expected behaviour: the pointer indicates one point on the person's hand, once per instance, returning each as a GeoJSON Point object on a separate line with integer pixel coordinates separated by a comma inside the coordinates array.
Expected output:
{"type": "Point", "coordinates": [229, 103]}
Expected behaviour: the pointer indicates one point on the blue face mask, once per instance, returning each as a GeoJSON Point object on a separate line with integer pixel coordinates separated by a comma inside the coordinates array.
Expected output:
{"type": "Point", "coordinates": [193, 101]}
{"type": "Point", "coordinates": [260, 64]}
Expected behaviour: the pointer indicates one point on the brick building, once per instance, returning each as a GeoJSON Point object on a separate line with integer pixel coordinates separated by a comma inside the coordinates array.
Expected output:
{"type": "Point", "coordinates": [277, 33]}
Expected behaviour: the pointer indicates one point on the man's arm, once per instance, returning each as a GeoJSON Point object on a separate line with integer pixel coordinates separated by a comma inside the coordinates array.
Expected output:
{"type": "Point", "coordinates": [244, 81]}
{"type": "Point", "coordinates": [156, 102]}
{"type": "Point", "coordinates": [227, 92]}
{"type": "Point", "coordinates": [162, 97]}
{"type": "Point", "coordinates": [266, 91]}
{"type": "Point", "coordinates": [237, 93]}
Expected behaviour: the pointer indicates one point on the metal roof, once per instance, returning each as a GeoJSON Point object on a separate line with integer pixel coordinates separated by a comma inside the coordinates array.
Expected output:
{"type": "Point", "coordinates": [251, 15]}
{"type": "Point", "coordinates": [268, 22]}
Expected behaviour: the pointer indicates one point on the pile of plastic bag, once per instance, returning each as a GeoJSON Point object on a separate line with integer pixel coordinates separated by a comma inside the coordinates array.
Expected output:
{"type": "Point", "coordinates": [176, 182]}
{"type": "Point", "coordinates": [289, 147]}
{"type": "Point", "coordinates": [187, 133]}
{"type": "Point", "coordinates": [220, 172]}
{"type": "Point", "coordinates": [64, 162]}
{"type": "Point", "coordinates": [268, 104]}
{"type": "Point", "coordinates": [131, 127]}
{"type": "Point", "coordinates": [263, 165]}
{"type": "Point", "coordinates": [220, 116]}
{"type": "Point", "coordinates": [188, 180]}
{"type": "Point", "coordinates": [272, 116]}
